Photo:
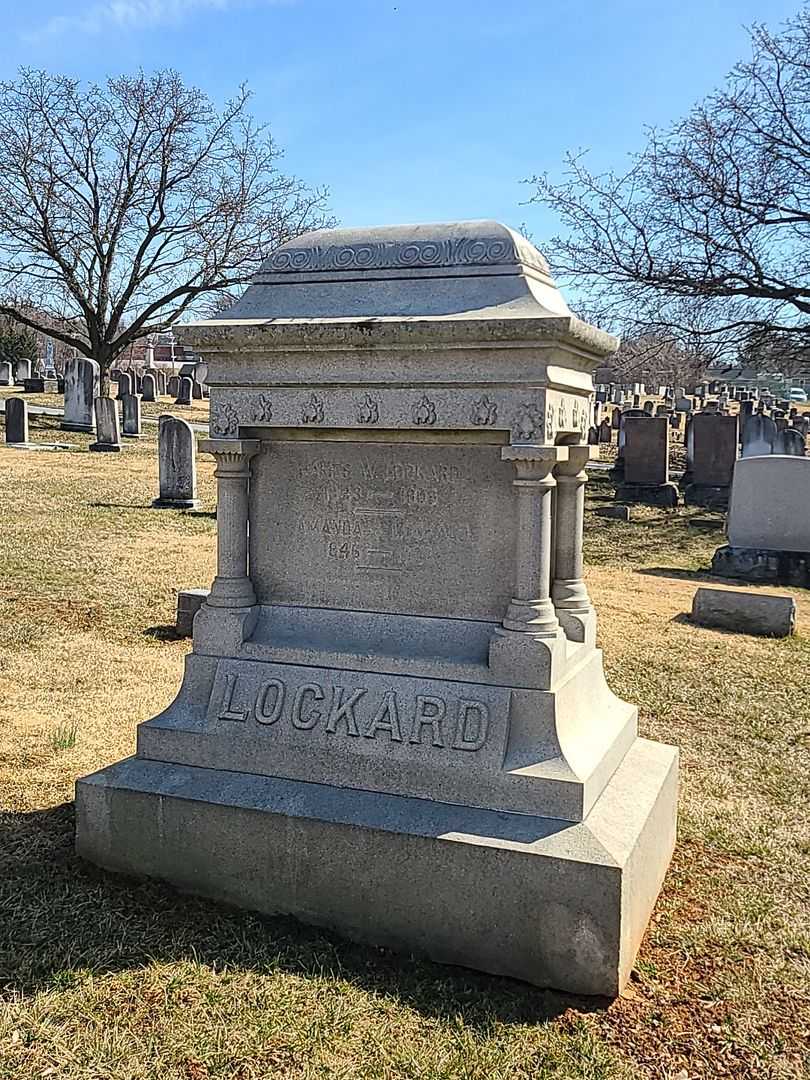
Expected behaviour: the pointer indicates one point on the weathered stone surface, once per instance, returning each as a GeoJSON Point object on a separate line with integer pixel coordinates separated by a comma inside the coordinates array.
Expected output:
{"type": "Point", "coordinates": [745, 612]}
{"type": "Point", "coordinates": [189, 602]}
{"type": "Point", "coordinates": [108, 433]}
{"type": "Point", "coordinates": [390, 870]}
{"type": "Point", "coordinates": [131, 416]}
{"type": "Point", "coordinates": [758, 436]}
{"type": "Point", "coordinates": [770, 504]}
{"type": "Point", "coordinates": [22, 371]}
{"type": "Point", "coordinates": [6, 374]}
{"type": "Point", "coordinates": [396, 663]}
{"type": "Point", "coordinates": [125, 386]}
{"type": "Point", "coordinates": [379, 526]}
{"type": "Point", "coordinates": [177, 465]}
{"type": "Point", "coordinates": [184, 392]}
{"type": "Point", "coordinates": [149, 387]}
{"type": "Point", "coordinates": [646, 450]}
{"type": "Point", "coordinates": [790, 441]}
{"type": "Point", "coordinates": [16, 420]}
{"type": "Point", "coordinates": [82, 382]}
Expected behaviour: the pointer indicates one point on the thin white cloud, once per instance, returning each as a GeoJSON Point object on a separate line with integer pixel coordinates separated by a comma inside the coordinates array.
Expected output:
{"type": "Point", "coordinates": [125, 15]}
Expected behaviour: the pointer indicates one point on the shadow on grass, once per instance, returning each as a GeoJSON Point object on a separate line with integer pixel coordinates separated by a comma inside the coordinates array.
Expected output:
{"type": "Point", "coordinates": [679, 573]}
{"type": "Point", "coordinates": [63, 917]}
{"type": "Point", "coordinates": [167, 632]}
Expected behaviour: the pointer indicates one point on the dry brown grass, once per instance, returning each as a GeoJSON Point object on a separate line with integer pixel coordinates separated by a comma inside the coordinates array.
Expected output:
{"type": "Point", "coordinates": [109, 978]}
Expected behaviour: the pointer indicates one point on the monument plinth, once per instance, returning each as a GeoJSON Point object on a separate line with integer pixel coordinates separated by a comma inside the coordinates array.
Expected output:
{"type": "Point", "coordinates": [394, 721]}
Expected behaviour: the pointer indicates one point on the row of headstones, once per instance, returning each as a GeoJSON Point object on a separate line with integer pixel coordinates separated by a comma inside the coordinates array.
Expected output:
{"type": "Point", "coordinates": [152, 385]}
{"type": "Point", "coordinates": [14, 372]}
{"type": "Point", "coordinates": [82, 384]}
{"type": "Point", "coordinates": [177, 448]}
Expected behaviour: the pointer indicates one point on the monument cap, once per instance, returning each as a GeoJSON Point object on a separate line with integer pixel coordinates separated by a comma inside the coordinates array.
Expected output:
{"type": "Point", "coordinates": [452, 270]}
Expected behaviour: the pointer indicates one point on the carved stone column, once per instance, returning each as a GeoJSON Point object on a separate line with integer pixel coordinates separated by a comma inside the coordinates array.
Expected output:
{"type": "Point", "coordinates": [232, 587]}
{"type": "Point", "coordinates": [569, 592]}
{"type": "Point", "coordinates": [531, 638]}
{"type": "Point", "coordinates": [531, 609]}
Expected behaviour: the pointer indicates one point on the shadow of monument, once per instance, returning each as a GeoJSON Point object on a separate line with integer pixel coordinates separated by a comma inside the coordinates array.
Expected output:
{"type": "Point", "coordinates": [63, 915]}
{"type": "Point", "coordinates": [167, 632]}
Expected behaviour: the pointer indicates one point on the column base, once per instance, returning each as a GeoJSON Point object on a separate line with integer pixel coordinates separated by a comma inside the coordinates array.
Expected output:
{"type": "Point", "coordinates": [221, 631]}
{"type": "Point", "coordinates": [579, 624]}
{"type": "Point", "coordinates": [526, 659]}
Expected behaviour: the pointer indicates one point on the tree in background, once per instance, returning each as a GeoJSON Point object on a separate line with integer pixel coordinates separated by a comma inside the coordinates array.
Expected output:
{"type": "Point", "coordinates": [123, 205]}
{"type": "Point", "coordinates": [707, 235]}
{"type": "Point", "coordinates": [17, 342]}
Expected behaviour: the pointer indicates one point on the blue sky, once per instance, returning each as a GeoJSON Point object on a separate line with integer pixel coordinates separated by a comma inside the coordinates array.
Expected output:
{"type": "Point", "coordinates": [416, 110]}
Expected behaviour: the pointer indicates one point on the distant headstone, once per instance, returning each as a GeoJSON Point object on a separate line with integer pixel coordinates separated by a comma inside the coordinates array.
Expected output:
{"type": "Point", "coordinates": [649, 406]}
{"type": "Point", "coordinates": [789, 441]}
{"type": "Point", "coordinates": [173, 386]}
{"type": "Point", "coordinates": [16, 420]}
{"type": "Point", "coordinates": [6, 374]}
{"type": "Point", "coordinates": [768, 521]}
{"type": "Point", "coordinates": [616, 419]}
{"type": "Point", "coordinates": [82, 381]}
{"type": "Point", "coordinates": [149, 389]}
{"type": "Point", "coordinates": [124, 385]}
{"type": "Point", "coordinates": [22, 371]}
{"type": "Point", "coordinates": [646, 462]}
{"type": "Point", "coordinates": [196, 390]}
{"type": "Point", "coordinates": [177, 464]}
{"type": "Point", "coordinates": [184, 391]}
{"type": "Point", "coordinates": [131, 416]}
{"type": "Point", "coordinates": [605, 431]}
{"type": "Point", "coordinates": [758, 435]}
{"type": "Point", "coordinates": [713, 443]}
{"type": "Point", "coordinates": [189, 602]}
{"type": "Point", "coordinates": [108, 434]}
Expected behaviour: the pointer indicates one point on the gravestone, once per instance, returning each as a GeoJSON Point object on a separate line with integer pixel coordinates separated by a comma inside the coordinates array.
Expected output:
{"type": "Point", "coordinates": [646, 462]}
{"type": "Point", "coordinates": [713, 452]}
{"type": "Point", "coordinates": [16, 420]}
{"type": "Point", "coordinates": [82, 382]}
{"type": "Point", "coordinates": [616, 419]}
{"type": "Point", "coordinates": [6, 374]}
{"type": "Point", "coordinates": [173, 386]}
{"type": "Point", "coordinates": [149, 389]}
{"type": "Point", "coordinates": [789, 441]}
{"type": "Point", "coordinates": [768, 521]}
{"type": "Point", "coordinates": [22, 371]}
{"type": "Point", "coordinates": [394, 720]}
{"type": "Point", "coordinates": [758, 436]}
{"type": "Point", "coordinates": [124, 385]}
{"type": "Point", "coordinates": [184, 391]}
{"type": "Point", "coordinates": [108, 434]}
{"type": "Point", "coordinates": [177, 465]}
{"type": "Point", "coordinates": [606, 431]}
{"type": "Point", "coordinates": [131, 416]}
{"type": "Point", "coordinates": [649, 407]}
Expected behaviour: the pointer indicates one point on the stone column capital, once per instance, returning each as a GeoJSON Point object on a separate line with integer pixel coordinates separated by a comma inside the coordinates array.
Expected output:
{"type": "Point", "coordinates": [573, 466]}
{"type": "Point", "coordinates": [533, 464]}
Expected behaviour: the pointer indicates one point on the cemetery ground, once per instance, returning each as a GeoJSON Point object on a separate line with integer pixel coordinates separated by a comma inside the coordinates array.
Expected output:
{"type": "Point", "coordinates": [105, 977]}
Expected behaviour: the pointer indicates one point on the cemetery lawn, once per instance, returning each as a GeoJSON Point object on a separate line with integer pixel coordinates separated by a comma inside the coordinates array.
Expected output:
{"type": "Point", "coordinates": [104, 977]}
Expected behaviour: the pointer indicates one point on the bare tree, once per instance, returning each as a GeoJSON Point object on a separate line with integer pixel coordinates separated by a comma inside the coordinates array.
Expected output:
{"type": "Point", "coordinates": [122, 205]}
{"type": "Point", "coordinates": [708, 232]}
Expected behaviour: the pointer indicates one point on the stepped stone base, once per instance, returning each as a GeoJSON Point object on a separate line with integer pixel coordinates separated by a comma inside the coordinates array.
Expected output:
{"type": "Point", "coordinates": [764, 565]}
{"type": "Point", "coordinates": [553, 903]}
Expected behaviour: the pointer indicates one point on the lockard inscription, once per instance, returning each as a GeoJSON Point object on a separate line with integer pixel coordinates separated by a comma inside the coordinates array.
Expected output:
{"type": "Point", "coordinates": [424, 529]}
{"type": "Point", "coordinates": [356, 712]}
